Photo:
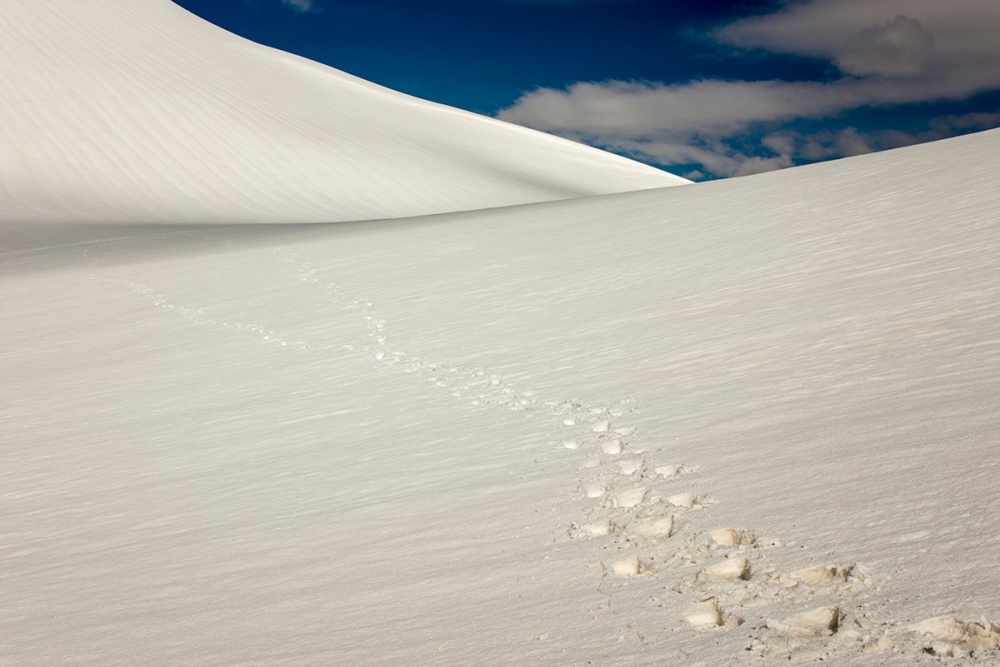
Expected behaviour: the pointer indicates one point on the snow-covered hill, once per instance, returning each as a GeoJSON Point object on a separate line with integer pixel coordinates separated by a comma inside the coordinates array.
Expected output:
{"type": "Point", "coordinates": [139, 111]}
{"type": "Point", "coordinates": [512, 436]}
{"type": "Point", "coordinates": [737, 423]}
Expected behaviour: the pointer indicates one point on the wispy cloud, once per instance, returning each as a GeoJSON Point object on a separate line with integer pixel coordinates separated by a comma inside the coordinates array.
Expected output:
{"type": "Point", "coordinates": [300, 6]}
{"type": "Point", "coordinates": [888, 37]}
{"type": "Point", "coordinates": [889, 52]}
{"type": "Point", "coordinates": [850, 141]}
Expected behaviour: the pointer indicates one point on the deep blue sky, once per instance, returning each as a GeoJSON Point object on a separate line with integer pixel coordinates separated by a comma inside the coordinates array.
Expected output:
{"type": "Point", "coordinates": [704, 89]}
{"type": "Point", "coordinates": [482, 54]}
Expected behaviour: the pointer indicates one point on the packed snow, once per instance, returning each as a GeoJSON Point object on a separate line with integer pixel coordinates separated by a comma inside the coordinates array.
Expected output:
{"type": "Point", "coordinates": [733, 423]}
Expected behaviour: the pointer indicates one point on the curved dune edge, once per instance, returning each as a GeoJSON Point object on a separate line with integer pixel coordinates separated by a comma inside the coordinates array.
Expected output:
{"type": "Point", "coordinates": [143, 112]}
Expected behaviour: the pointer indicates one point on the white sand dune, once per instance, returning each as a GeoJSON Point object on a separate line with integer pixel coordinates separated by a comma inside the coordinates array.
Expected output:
{"type": "Point", "coordinates": [515, 436]}
{"type": "Point", "coordinates": [140, 111]}
{"type": "Point", "coordinates": [737, 423]}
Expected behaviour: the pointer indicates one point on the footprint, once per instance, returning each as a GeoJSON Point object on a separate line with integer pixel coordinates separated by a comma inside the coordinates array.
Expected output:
{"type": "Point", "coordinates": [953, 637]}
{"type": "Point", "coordinates": [653, 526]}
{"type": "Point", "coordinates": [673, 470]}
{"type": "Point", "coordinates": [704, 614]}
{"type": "Point", "coordinates": [612, 447]}
{"type": "Point", "coordinates": [630, 466]}
{"type": "Point", "coordinates": [689, 500]}
{"type": "Point", "coordinates": [594, 489]}
{"type": "Point", "coordinates": [822, 575]}
{"type": "Point", "coordinates": [599, 528]}
{"type": "Point", "coordinates": [733, 537]}
{"type": "Point", "coordinates": [627, 567]}
{"type": "Point", "coordinates": [812, 624]}
{"type": "Point", "coordinates": [731, 569]}
{"type": "Point", "coordinates": [630, 497]}
{"type": "Point", "coordinates": [601, 426]}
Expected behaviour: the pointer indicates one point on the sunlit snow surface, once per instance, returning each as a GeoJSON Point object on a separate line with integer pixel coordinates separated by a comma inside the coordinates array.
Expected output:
{"type": "Point", "coordinates": [412, 442]}
{"type": "Point", "coordinates": [730, 423]}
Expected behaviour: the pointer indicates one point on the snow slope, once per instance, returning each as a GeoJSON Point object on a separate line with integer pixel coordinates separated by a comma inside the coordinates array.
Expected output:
{"type": "Point", "coordinates": [412, 442]}
{"type": "Point", "coordinates": [139, 111]}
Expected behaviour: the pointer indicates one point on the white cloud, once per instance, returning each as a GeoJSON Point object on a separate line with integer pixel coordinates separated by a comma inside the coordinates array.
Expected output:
{"type": "Point", "coordinates": [969, 121]}
{"type": "Point", "coordinates": [926, 39]}
{"type": "Point", "coordinates": [711, 106]}
{"type": "Point", "coordinates": [833, 28]}
{"type": "Point", "coordinates": [716, 157]}
{"type": "Point", "coordinates": [842, 143]}
{"type": "Point", "coordinates": [890, 52]}
{"type": "Point", "coordinates": [849, 141]}
{"type": "Point", "coordinates": [900, 47]}
{"type": "Point", "coordinates": [713, 156]}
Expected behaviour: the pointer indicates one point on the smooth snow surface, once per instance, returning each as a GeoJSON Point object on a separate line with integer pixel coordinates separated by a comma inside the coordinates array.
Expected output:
{"type": "Point", "coordinates": [115, 111]}
{"type": "Point", "coordinates": [734, 423]}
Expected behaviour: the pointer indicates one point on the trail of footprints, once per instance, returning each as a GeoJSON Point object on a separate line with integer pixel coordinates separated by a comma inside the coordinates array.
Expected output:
{"type": "Point", "coordinates": [639, 510]}
{"type": "Point", "coordinates": [638, 507]}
